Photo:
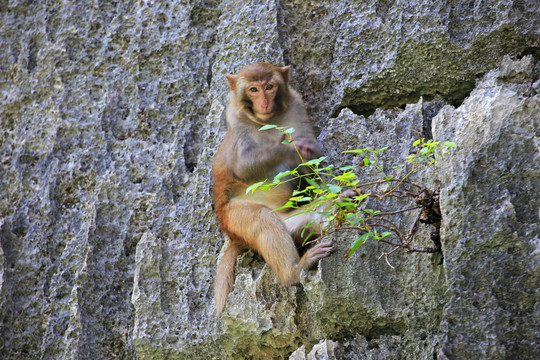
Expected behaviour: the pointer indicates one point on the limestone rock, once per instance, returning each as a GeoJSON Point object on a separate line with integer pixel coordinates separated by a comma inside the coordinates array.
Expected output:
{"type": "Point", "coordinates": [111, 112]}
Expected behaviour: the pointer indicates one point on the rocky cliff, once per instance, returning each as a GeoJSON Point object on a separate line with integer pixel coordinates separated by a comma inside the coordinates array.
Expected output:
{"type": "Point", "coordinates": [110, 113]}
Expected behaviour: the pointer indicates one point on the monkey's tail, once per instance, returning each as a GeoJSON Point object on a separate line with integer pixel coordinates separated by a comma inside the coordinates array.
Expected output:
{"type": "Point", "coordinates": [224, 281]}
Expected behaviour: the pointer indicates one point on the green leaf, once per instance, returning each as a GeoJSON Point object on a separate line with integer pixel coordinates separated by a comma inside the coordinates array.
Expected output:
{"type": "Point", "coordinates": [283, 174]}
{"type": "Point", "coordinates": [348, 176]}
{"type": "Point", "coordinates": [450, 144]}
{"type": "Point", "coordinates": [254, 187]}
{"type": "Point", "coordinates": [357, 151]}
{"type": "Point", "coordinates": [296, 214]}
{"type": "Point", "coordinates": [267, 127]}
{"type": "Point", "coordinates": [314, 205]}
{"type": "Point", "coordinates": [416, 142]}
{"type": "Point", "coordinates": [353, 219]}
{"type": "Point", "coordinates": [371, 211]}
{"type": "Point", "coordinates": [379, 237]}
{"type": "Point", "coordinates": [313, 183]}
{"type": "Point", "coordinates": [378, 151]}
{"type": "Point", "coordinates": [356, 245]}
{"type": "Point", "coordinates": [359, 198]}
{"type": "Point", "coordinates": [288, 205]}
{"type": "Point", "coordinates": [328, 168]}
{"type": "Point", "coordinates": [346, 168]}
{"type": "Point", "coordinates": [367, 162]}
{"type": "Point", "coordinates": [334, 189]}
{"type": "Point", "coordinates": [286, 141]}
{"type": "Point", "coordinates": [265, 187]}
{"type": "Point", "coordinates": [314, 161]}
{"type": "Point", "coordinates": [307, 227]}
{"type": "Point", "coordinates": [289, 131]}
{"type": "Point", "coordinates": [345, 204]}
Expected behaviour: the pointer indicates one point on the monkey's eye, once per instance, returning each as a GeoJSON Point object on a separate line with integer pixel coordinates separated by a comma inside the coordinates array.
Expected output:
{"type": "Point", "coordinates": [253, 89]}
{"type": "Point", "coordinates": [269, 87]}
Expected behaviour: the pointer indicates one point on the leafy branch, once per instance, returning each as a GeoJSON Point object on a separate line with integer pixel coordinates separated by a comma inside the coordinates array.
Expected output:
{"type": "Point", "coordinates": [338, 196]}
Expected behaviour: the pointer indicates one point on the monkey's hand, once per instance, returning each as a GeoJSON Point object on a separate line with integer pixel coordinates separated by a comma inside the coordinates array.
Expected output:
{"type": "Point", "coordinates": [350, 193]}
{"type": "Point", "coordinates": [308, 148]}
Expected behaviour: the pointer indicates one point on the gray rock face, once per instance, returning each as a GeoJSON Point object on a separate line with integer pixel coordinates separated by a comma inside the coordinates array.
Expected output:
{"type": "Point", "coordinates": [110, 114]}
{"type": "Point", "coordinates": [492, 271]}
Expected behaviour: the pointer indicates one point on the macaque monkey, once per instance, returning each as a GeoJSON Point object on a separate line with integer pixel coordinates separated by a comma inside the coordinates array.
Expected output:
{"type": "Point", "coordinates": [260, 95]}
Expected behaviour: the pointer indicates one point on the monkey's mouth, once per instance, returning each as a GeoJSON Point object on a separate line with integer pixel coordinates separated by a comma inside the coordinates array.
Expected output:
{"type": "Point", "coordinates": [265, 116]}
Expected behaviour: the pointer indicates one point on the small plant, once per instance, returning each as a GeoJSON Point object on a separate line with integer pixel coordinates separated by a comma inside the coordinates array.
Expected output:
{"type": "Point", "coordinates": [339, 196]}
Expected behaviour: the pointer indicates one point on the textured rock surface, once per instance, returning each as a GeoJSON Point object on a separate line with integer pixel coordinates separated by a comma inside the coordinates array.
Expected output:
{"type": "Point", "coordinates": [493, 271]}
{"type": "Point", "coordinates": [110, 113]}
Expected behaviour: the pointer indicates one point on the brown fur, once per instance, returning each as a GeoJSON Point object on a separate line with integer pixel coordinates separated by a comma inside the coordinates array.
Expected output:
{"type": "Point", "coordinates": [247, 156]}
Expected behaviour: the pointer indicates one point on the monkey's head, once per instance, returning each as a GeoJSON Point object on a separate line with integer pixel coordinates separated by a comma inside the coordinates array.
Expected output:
{"type": "Point", "coordinates": [261, 90]}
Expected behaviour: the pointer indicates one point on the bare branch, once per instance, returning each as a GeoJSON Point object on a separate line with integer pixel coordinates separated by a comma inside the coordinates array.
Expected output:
{"type": "Point", "coordinates": [391, 243]}
{"type": "Point", "coordinates": [430, 250]}
{"type": "Point", "coordinates": [398, 211]}
{"type": "Point", "coordinates": [391, 180]}
{"type": "Point", "coordinates": [386, 254]}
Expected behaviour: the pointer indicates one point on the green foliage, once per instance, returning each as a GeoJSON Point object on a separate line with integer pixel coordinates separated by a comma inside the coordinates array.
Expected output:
{"type": "Point", "coordinates": [340, 210]}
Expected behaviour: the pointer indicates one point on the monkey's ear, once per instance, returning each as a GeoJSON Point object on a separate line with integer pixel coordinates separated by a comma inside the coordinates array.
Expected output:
{"type": "Point", "coordinates": [232, 81]}
{"type": "Point", "coordinates": [285, 73]}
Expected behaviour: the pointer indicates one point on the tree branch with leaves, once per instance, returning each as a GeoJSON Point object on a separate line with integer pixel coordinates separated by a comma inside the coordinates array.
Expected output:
{"type": "Point", "coordinates": [338, 195]}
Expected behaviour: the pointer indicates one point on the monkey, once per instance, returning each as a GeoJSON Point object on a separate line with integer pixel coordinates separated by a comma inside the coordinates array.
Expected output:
{"type": "Point", "coordinates": [260, 94]}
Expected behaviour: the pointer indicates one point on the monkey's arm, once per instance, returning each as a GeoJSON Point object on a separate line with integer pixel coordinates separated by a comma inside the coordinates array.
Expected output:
{"type": "Point", "coordinates": [252, 161]}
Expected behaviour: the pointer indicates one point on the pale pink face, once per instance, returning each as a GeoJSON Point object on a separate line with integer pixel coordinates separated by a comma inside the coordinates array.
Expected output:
{"type": "Point", "coordinates": [262, 94]}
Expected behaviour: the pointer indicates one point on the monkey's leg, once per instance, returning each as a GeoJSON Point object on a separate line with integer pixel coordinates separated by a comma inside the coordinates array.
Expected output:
{"type": "Point", "coordinates": [265, 232]}
{"type": "Point", "coordinates": [296, 227]}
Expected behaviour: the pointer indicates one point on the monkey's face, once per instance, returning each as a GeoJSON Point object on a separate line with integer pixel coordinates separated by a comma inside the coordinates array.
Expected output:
{"type": "Point", "coordinates": [260, 91]}
{"type": "Point", "coordinates": [262, 95]}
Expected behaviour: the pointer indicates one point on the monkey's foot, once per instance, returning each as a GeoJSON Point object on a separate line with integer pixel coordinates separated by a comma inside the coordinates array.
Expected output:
{"type": "Point", "coordinates": [314, 254]}
{"type": "Point", "coordinates": [320, 251]}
